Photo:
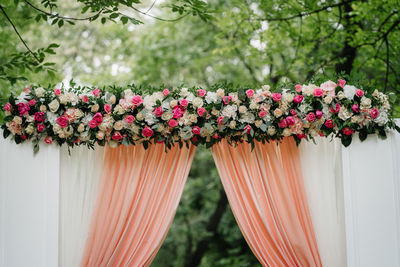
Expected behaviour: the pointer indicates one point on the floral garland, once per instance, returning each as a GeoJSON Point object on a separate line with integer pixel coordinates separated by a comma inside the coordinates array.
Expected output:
{"type": "Point", "coordinates": [84, 115]}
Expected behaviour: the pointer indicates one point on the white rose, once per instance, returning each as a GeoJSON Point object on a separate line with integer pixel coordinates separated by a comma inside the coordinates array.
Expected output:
{"type": "Point", "coordinates": [328, 99]}
{"type": "Point", "coordinates": [167, 116]}
{"type": "Point", "coordinates": [81, 128]}
{"type": "Point", "coordinates": [220, 92]}
{"type": "Point", "coordinates": [95, 108]}
{"type": "Point", "coordinates": [215, 112]}
{"type": "Point", "coordinates": [382, 118]}
{"type": "Point", "coordinates": [64, 99]}
{"type": "Point", "coordinates": [308, 89]}
{"type": "Point", "coordinates": [118, 125]}
{"type": "Point", "coordinates": [197, 102]}
{"type": "Point", "coordinates": [173, 103]}
{"type": "Point", "coordinates": [100, 135]}
{"type": "Point", "coordinates": [341, 95]}
{"type": "Point", "coordinates": [278, 112]}
{"type": "Point", "coordinates": [54, 105]}
{"type": "Point", "coordinates": [271, 130]}
{"type": "Point", "coordinates": [344, 114]}
{"type": "Point", "coordinates": [30, 129]}
{"type": "Point", "coordinates": [79, 113]}
{"type": "Point", "coordinates": [211, 97]}
{"type": "Point", "coordinates": [119, 109]}
{"type": "Point", "coordinates": [242, 109]}
{"type": "Point", "coordinates": [30, 118]}
{"type": "Point", "coordinates": [365, 102]}
{"type": "Point", "coordinates": [43, 108]}
{"type": "Point", "coordinates": [39, 92]}
{"type": "Point", "coordinates": [349, 91]}
{"type": "Point", "coordinates": [287, 97]}
{"type": "Point", "coordinates": [286, 132]}
{"type": "Point", "coordinates": [253, 105]}
{"type": "Point", "coordinates": [229, 111]}
{"type": "Point", "coordinates": [232, 124]}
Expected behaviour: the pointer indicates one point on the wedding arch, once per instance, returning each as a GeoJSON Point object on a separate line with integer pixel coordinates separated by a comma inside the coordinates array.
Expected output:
{"type": "Point", "coordinates": [127, 205]}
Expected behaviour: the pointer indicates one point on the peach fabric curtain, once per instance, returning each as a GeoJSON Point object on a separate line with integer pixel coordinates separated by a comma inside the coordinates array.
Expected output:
{"type": "Point", "coordinates": [138, 198]}
{"type": "Point", "coordinates": [266, 193]}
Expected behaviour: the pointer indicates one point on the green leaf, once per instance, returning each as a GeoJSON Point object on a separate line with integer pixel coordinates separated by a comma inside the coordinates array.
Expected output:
{"type": "Point", "coordinates": [6, 133]}
{"type": "Point", "coordinates": [60, 23]}
{"type": "Point", "coordinates": [114, 15]}
{"type": "Point", "coordinates": [124, 20]}
{"type": "Point", "coordinates": [363, 135]}
{"type": "Point", "coordinates": [8, 118]}
{"type": "Point", "coordinates": [346, 140]}
{"type": "Point", "coordinates": [263, 127]}
{"type": "Point", "coordinates": [103, 20]}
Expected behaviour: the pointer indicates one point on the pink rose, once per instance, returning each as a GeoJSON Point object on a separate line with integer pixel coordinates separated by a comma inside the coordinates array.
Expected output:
{"type": "Point", "coordinates": [172, 123]}
{"type": "Point", "coordinates": [298, 99]}
{"type": "Point", "coordinates": [158, 111]}
{"type": "Point", "coordinates": [194, 139]}
{"type": "Point", "coordinates": [147, 132]}
{"type": "Point", "coordinates": [374, 113]}
{"type": "Point", "coordinates": [165, 92]}
{"type": "Point", "coordinates": [201, 92]}
{"type": "Point", "coordinates": [92, 124]}
{"type": "Point", "coordinates": [262, 113]}
{"type": "Point", "coordinates": [318, 92]}
{"type": "Point", "coordinates": [196, 130]}
{"type": "Point", "coordinates": [341, 83]}
{"type": "Point", "coordinates": [98, 118]}
{"type": "Point", "coordinates": [178, 112]}
{"type": "Point", "coordinates": [129, 119]}
{"type": "Point", "coordinates": [40, 127]}
{"type": "Point", "coordinates": [137, 100]}
{"type": "Point", "coordinates": [301, 136]}
{"type": "Point", "coordinates": [293, 112]}
{"type": "Point", "coordinates": [201, 111]}
{"type": "Point", "coordinates": [298, 88]}
{"type": "Point", "coordinates": [276, 97]}
{"type": "Point", "coordinates": [32, 102]}
{"type": "Point", "coordinates": [116, 136]}
{"type": "Point", "coordinates": [23, 108]}
{"type": "Point", "coordinates": [359, 92]}
{"type": "Point", "coordinates": [39, 116]}
{"type": "Point", "coordinates": [248, 129]}
{"type": "Point", "coordinates": [319, 114]}
{"type": "Point", "coordinates": [48, 140]}
{"type": "Point", "coordinates": [216, 136]}
{"type": "Point", "coordinates": [336, 110]}
{"type": "Point", "coordinates": [57, 92]}
{"type": "Point", "coordinates": [85, 99]}
{"type": "Point", "coordinates": [7, 107]}
{"type": "Point", "coordinates": [226, 99]}
{"type": "Point", "coordinates": [249, 93]}
{"type": "Point", "coordinates": [107, 108]}
{"type": "Point", "coordinates": [329, 123]}
{"type": "Point", "coordinates": [290, 120]}
{"type": "Point", "coordinates": [220, 120]}
{"type": "Point", "coordinates": [96, 92]}
{"type": "Point", "coordinates": [282, 124]}
{"type": "Point", "coordinates": [355, 108]}
{"type": "Point", "coordinates": [62, 121]}
{"type": "Point", "coordinates": [28, 89]}
{"type": "Point", "coordinates": [184, 102]}
{"type": "Point", "coordinates": [310, 117]}
{"type": "Point", "coordinates": [347, 131]}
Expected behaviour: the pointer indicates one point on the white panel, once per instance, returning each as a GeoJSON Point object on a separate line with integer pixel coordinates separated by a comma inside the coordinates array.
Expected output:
{"type": "Point", "coordinates": [371, 194]}
{"type": "Point", "coordinates": [29, 205]}
{"type": "Point", "coordinates": [322, 173]}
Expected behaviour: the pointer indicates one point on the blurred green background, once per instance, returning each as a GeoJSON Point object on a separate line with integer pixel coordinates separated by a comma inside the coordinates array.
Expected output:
{"type": "Point", "coordinates": [194, 42]}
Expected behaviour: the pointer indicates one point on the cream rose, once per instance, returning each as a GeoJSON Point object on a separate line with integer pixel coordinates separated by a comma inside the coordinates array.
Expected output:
{"type": "Point", "coordinates": [220, 92]}
{"type": "Point", "coordinates": [118, 125]}
{"type": "Point", "coordinates": [328, 99]}
{"type": "Point", "coordinates": [258, 123]}
{"type": "Point", "coordinates": [278, 112]}
{"type": "Point", "coordinates": [173, 103]}
{"type": "Point", "coordinates": [39, 92]}
{"type": "Point", "coordinates": [286, 132]}
{"type": "Point", "coordinates": [54, 105]}
{"type": "Point", "coordinates": [100, 135]}
{"type": "Point", "coordinates": [242, 109]}
{"type": "Point", "coordinates": [232, 124]}
{"type": "Point", "coordinates": [140, 116]}
{"type": "Point", "coordinates": [30, 129]}
{"type": "Point", "coordinates": [95, 108]}
{"type": "Point", "coordinates": [197, 102]}
{"type": "Point", "coordinates": [43, 108]}
{"type": "Point", "coordinates": [167, 116]}
{"type": "Point", "coordinates": [81, 128]}
{"type": "Point", "coordinates": [271, 130]}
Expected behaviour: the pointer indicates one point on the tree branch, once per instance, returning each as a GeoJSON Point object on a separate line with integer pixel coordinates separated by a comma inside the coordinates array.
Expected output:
{"type": "Point", "coordinates": [19, 35]}
{"type": "Point", "coordinates": [158, 18]}
{"type": "Point", "coordinates": [62, 17]}
{"type": "Point", "coordinates": [306, 13]}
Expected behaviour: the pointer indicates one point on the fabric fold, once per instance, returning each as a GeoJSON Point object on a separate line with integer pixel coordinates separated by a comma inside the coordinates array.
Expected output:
{"type": "Point", "coordinates": [137, 201]}
{"type": "Point", "coordinates": [266, 193]}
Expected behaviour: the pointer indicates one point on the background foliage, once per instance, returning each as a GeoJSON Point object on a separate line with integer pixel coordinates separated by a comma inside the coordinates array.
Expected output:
{"type": "Point", "coordinates": [246, 42]}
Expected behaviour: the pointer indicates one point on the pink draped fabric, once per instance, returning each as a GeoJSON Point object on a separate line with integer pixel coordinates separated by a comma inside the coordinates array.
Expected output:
{"type": "Point", "coordinates": [138, 198]}
{"type": "Point", "coordinates": [266, 193]}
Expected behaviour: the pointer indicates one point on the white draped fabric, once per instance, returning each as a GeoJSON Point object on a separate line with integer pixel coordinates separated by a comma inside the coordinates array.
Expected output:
{"type": "Point", "coordinates": [79, 181]}
{"type": "Point", "coordinates": [322, 173]}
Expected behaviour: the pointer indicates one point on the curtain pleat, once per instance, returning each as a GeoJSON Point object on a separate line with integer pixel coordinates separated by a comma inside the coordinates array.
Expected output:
{"type": "Point", "coordinates": [266, 193]}
{"type": "Point", "coordinates": [138, 198]}
{"type": "Point", "coordinates": [322, 172]}
{"type": "Point", "coordinates": [79, 184]}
